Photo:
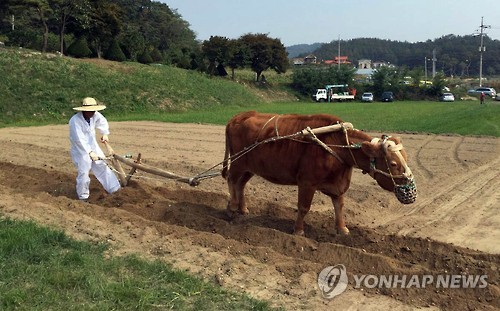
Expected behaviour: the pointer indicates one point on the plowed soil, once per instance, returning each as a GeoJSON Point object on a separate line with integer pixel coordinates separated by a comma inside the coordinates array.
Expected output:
{"type": "Point", "coordinates": [452, 229]}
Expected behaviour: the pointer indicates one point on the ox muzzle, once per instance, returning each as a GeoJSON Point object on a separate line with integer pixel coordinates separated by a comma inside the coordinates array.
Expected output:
{"type": "Point", "coordinates": [405, 193]}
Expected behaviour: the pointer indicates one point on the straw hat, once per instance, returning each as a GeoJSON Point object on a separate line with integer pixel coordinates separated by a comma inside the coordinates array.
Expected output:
{"type": "Point", "coordinates": [89, 104]}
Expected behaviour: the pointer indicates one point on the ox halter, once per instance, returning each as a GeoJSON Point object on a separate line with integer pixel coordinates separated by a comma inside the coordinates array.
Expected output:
{"type": "Point", "coordinates": [406, 193]}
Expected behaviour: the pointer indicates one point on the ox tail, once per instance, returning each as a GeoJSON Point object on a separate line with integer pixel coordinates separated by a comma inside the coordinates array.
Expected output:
{"type": "Point", "coordinates": [227, 153]}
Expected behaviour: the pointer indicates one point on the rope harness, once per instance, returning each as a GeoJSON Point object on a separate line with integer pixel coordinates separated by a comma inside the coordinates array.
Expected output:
{"type": "Point", "coordinates": [206, 174]}
{"type": "Point", "coordinates": [405, 193]}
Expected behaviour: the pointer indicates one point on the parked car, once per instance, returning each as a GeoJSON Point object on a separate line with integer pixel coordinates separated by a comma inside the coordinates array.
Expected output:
{"type": "Point", "coordinates": [447, 97]}
{"type": "Point", "coordinates": [367, 97]}
{"type": "Point", "coordinates": [387, 97]}
{"type": "Point", "coordinates": [489, 91]}
{"type": "Point", "coordinates": [497, 97]}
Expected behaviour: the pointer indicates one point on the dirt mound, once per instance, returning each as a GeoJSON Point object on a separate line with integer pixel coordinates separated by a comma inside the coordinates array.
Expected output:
{"type": "Point", "coordinates": [452, 229]}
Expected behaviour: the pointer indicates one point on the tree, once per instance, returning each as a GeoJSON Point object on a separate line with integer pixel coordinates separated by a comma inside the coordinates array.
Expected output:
{"type": "Point", "coordinates": [145, 57]}
{"type": "Point", "coordinates": [145, 23]}
{"type": "Point", "coordinates": [239, 55]}
{"type": "Point", "coordinates": [162, 29]}
{"type": "Point", "coordinates": [66, 10]}
{"type": "Point", "coordinates": [114, 52]}
{"type": "Point", "coordinates": [5, 15]}
{"type": "Point", "coordinates": [133, 42]}
{"type": "Point", "coordinates": [217, 51]}
{"type": "Point", "coordinates": [280, 62]}
{"type": "Point", "coordinates": [306, 79]}
{"type": "Point", "coordinates": [438, 84]}
{"type": "Point", "coordinates": [265, 53]}
{"type": "Point", "coordinates": [156, 56]}
{"type": "Point", "coordinates": [43, 10]}
{"type": "Point", "coordinates": [79, 48]}
{"type": "Point", "coordinates": [385, 78]}
{"type": "Point", "coordinates": [104, 24]}
{"type": "Point", "coordinates": [309, 78]}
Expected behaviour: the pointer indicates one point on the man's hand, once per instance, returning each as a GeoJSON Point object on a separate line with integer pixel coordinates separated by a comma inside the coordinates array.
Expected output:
{"type": "Point", "coordinates": [93, 156]}
{"type": "Point", "coordinates": [104, 139]}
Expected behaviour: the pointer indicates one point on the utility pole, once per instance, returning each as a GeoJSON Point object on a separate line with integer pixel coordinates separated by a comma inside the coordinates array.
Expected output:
{"type": "Point", "coordinates": [425, 69]}
{"type": "Point", "coordinates": [338, 60]}
{"type": "Point", "coordinates": [434, 59]}
{"type": "Point", "coordinates": [482, 48]}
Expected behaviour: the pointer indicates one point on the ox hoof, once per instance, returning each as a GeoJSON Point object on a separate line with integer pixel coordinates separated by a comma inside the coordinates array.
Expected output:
{"type": "Point", "coordinates": [244, 211]}
{"type": "Point", "coordinates": [343, 231]}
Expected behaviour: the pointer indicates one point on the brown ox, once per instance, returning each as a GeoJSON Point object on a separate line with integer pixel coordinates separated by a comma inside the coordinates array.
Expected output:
{"type": "Point", "coordinates": [280, 149]}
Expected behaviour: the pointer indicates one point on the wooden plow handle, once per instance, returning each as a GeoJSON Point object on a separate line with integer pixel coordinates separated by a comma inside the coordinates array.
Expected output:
{"type": "Point", "coordinates": [122, 177]}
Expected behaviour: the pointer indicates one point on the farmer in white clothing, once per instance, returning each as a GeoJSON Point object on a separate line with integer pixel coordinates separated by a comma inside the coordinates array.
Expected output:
{"type": "Point", "coordinates": [85, 151]}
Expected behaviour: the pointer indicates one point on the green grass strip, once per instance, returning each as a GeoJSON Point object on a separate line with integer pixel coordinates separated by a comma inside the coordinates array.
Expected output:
{"type": "Point", "coordinates": [43, 269]}
{"type": "Point", "coordinates": [464, 118]}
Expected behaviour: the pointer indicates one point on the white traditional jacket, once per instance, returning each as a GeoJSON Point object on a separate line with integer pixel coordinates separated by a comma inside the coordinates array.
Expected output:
{"type": "Point", "coordinates": [82, 135]}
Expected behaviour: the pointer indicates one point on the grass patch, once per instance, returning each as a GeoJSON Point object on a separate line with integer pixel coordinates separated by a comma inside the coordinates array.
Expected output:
{"type": "Point", "coordinates": [43, 269]}
{"type": "Point", "coordinates": [36, 88]}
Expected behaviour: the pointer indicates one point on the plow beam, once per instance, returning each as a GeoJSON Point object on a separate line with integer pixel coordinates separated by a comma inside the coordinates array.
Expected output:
{"type": "Point", "coordinates": [156, 171]}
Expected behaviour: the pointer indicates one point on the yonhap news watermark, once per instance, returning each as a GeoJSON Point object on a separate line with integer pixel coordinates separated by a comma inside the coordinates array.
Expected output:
{"type": "Point", "coordinates": [333, 281]}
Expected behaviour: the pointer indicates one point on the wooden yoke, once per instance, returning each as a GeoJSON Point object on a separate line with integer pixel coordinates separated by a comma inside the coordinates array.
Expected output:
{"type": "Point", "coordinates": [328, 129]}
{"type": "Point", "coordinates": [117, 165]}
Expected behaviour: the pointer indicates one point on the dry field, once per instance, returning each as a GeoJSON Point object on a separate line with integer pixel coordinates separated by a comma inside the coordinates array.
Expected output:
{"type": "Point", "coordinates": [453, 228]}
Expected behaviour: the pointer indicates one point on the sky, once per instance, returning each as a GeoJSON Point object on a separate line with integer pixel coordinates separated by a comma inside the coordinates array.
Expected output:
{"type": "Point", "coordinates": [323, 21]}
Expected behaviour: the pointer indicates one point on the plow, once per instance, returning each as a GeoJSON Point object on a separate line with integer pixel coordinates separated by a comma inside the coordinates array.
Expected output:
{"type": "Point", "coordinates": [124, 178]}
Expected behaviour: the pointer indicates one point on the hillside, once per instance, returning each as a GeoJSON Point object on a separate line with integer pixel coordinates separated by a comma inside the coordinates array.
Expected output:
{"type": "Point", "coordinates": [301, 49]}
{"type": "Point", "coordinates": [456, 55]}
{"type": "Point", "coordinates": [44, 87]}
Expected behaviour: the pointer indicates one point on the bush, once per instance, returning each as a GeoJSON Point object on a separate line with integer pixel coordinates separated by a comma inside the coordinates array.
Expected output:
{"type": "Point", "coordinates": [156, 56]}
{"type": "Point", "coordinates": [26, 38]}
{"type": "Point", "coordinates": [114, 52]}
{"type": "Point", "coordinates": [79, 48]}
{"type": "Point", "coordinates": [145, 58]}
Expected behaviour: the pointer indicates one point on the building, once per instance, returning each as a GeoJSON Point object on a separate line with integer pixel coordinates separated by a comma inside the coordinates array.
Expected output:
{"type": "Point", "coordinates": [378, 64]}
{"type": "Point", "coordinates": [337, 60]}
{"type": "Point", "coordinates": [310, 59]}
{"type": "Point", "coordinates": [364, 64]}
{"type": "Point", "coordinates": [341, 60]}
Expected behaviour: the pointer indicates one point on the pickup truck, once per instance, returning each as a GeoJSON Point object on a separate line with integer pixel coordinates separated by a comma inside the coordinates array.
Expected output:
{"type": "Point", "coordinates": [337, 93]}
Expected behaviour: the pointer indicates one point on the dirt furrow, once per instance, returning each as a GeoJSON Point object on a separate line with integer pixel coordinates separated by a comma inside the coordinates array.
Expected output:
{"type": "Point", "coordinates": [188, 227]}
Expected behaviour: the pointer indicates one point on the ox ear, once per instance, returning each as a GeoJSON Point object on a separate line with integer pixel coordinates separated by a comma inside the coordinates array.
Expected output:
{"type": "Point", "coordinates": [370, 149]}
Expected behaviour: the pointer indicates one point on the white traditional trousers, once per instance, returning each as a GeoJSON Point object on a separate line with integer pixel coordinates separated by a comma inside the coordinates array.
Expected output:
{"type": "Point", "coordinates": [101, 171]}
